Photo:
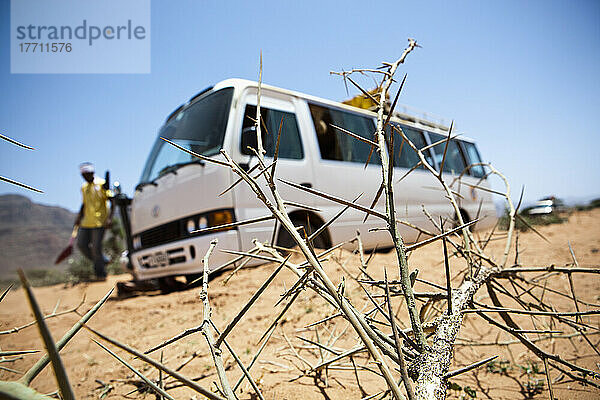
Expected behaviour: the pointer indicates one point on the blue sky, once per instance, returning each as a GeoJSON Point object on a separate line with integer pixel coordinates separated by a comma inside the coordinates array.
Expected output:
{"type": "Point", "coordinates": [522, 78]}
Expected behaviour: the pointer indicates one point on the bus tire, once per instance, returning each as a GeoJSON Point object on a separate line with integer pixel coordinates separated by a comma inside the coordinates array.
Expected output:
{"type": "Point", "coordinates": [284, 239]}
{"type": "Point", "coordinates": [193, 280]}
{"type": "Point", "coordinates": [465, 218]}
{"type": "Point", "coordinates": [169, 284]}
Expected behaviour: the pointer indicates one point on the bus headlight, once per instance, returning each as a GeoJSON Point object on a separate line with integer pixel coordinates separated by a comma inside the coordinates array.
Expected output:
{"type": "Point", "coordinates": [191, 225]}
{"type": "Point", "coordinates": [137, 242]}
{"type": "Point", "coordinates": [202, 223]}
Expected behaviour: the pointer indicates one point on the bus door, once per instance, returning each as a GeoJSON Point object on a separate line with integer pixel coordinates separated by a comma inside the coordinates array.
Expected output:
{"type": "Point", "coordinates": [278, 113]}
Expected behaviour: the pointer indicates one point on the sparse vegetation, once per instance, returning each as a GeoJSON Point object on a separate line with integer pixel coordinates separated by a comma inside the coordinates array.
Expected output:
{"type": "Point", "coordinates": [524, 222]}
{"type": "Point", "coordinates": [79, 269]}
{"type": "Point", "coordinates": [590, 206]}
{"type": "Point", "coordinates": [530, 376]}
{"type": "Point", "coordinates": [44, 277]}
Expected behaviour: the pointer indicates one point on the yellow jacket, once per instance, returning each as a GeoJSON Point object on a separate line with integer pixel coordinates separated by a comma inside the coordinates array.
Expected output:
{"type": "Point", "coordinates": [95, 210]}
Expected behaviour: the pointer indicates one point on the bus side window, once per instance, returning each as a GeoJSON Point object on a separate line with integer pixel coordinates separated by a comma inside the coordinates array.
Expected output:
{"type": "Point", "coordinates": [339, 146]}
{"type": "Point", "coordinates": [454, 162]}
{"type": "Point", "coordinates": [290, 145]}
{"type": "Point", "coordinates": [473, 158]}
{"type": "Point", "coordinates": [408, 158]}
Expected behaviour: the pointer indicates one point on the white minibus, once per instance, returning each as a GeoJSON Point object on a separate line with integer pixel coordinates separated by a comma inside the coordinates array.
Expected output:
{"type": "Point", "coordinates": [179, 194]}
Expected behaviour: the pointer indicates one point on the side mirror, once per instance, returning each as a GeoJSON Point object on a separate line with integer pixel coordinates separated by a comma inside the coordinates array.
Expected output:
{"type": "Point", "coordinates": [107, 180]}
{"type": "Point", "coordinates": [249, 140]}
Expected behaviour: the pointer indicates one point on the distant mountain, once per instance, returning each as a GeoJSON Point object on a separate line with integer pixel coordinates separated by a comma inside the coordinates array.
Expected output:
{"type": "Point", "coordinates": [31, 235]}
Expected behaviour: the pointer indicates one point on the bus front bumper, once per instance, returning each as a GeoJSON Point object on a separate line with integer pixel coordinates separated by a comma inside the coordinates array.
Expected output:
{"type": "Point", "coordinates": [183, 257]}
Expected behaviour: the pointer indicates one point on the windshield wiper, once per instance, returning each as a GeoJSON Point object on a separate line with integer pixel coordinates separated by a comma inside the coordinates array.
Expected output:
{"type": "Point", "coordinates": [173, 168]}
{"type": "Point", "coordinates": [142, 184]}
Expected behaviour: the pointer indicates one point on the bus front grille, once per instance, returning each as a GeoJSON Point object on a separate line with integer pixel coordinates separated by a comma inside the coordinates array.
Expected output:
{"type": "Point", "coordinates": [162, 234]}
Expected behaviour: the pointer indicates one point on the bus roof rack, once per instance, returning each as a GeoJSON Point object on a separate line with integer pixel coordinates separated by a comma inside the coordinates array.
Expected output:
{"type": "Point", "coordinates": [417, 116]}
{"type": "Point", "coordinates": [403, 112]}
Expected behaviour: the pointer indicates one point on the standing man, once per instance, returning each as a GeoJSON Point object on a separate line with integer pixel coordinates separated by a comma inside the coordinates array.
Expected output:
{"type": "Point", "coordinates": [94, 217]}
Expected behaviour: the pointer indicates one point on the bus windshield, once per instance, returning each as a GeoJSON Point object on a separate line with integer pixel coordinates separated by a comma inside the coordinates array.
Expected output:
{"type": "Point", "coordinates": [199, 128]}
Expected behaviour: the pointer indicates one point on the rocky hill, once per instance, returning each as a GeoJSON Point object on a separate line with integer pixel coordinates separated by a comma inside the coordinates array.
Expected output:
{"type": "Point", "coordinates": [31, 235]}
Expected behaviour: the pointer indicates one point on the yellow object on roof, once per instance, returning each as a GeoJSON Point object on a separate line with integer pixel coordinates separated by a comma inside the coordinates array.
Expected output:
{"type": "Point", "coordinates": [364, 102]}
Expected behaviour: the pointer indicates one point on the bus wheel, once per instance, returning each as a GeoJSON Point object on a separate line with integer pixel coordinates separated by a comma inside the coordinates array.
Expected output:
{"type": "Point", "coordinates": [193, 280]}
{"type": "Point", "coordinates": [284, 239]}
{"type": "Point", "coordinates": [169, 284]}
{"type": "Point", "coordinates": [465, 218]}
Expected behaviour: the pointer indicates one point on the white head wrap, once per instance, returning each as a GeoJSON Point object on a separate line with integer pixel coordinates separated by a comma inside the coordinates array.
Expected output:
{"type": "Point", "coordinates": [86, 168]}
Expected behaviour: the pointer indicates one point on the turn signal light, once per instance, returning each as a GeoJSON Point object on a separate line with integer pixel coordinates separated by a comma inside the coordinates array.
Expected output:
{"type": "Point", "coordinates": [220, 218]}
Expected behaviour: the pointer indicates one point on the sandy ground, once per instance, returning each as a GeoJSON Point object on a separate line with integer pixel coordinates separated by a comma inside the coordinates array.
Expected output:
{"type": "Point", "coordinates": [149, 319]}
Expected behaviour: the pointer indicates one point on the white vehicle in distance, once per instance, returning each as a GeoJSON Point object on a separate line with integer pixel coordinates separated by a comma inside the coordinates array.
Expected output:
{"type": "Point", "coordinates": [545, 206]}
{"type": "Point", "coordinates": [179, 194]}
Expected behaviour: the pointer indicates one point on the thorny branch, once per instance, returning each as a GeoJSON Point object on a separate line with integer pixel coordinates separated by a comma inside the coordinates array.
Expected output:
{"type": "Point", "coordinates": [207, 328]}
